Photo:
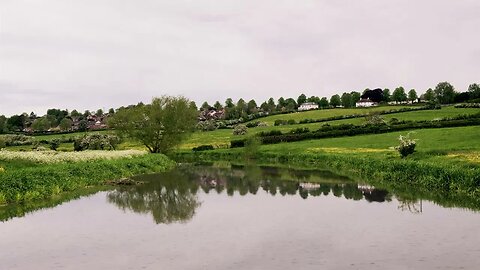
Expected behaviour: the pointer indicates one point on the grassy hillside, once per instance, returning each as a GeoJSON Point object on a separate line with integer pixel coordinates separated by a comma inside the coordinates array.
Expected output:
{"type": "Point", "coordinates": [222, 137]}
{"type": "Point", "coordinates": [318, 114]}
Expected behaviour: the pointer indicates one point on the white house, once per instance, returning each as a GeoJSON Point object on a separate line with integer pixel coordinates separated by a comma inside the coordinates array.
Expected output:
{"type": "Point", "coordinates": [308, 106]}
{"type": "Point", "coordinates": [366, 103]}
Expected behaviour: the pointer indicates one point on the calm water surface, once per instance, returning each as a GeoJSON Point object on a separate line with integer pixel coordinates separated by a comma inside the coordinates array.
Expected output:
{"type": "Point", "coordinates": [241, 218]}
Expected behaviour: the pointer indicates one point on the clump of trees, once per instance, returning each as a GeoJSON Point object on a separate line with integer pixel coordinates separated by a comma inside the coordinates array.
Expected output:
{"type": "Point", "coordinates": [160, 125]}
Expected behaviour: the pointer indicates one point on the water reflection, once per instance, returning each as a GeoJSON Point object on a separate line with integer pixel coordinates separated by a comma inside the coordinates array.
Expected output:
{"type": "Point", "coordinates": [172, 197]}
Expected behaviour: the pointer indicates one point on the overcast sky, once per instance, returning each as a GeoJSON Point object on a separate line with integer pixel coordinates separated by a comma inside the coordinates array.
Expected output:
{"type": "Point", "coordinates": [90, 54]}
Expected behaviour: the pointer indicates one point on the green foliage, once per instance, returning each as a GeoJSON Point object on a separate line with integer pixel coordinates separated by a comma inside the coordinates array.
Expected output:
{"type": "Point", "coordinates": [281, 122]}
{"type": "Point", "coordinates": [429, 95]}
{"type": "Point", "coordinates": [374, 118]}
{"type": "Point", "coordinates": [399, 94]}
{"type": "Point", "coordinates": [40, 182]}
{"type": "Point", "coordinates": [237, 143]}
{"type": "Point", "coordinates": [65, 124]}
{"type": "Point", "coordinates": [346, 100]}
{"type": "Point", "coordinates": [240, 130]}
{"type": "Point", "coordinates": [406, 146]}
{"type": "Point", "coordinates": [203, 147]}
{"type": "Point", "coordinates": [324, 103]}
{"type": "Point", "coordinates": [16, 139]}
{"type": "Point", "coordinates": [207, 125]}
{"type": "Point", "coordinates": [96, 142]}
{"type": "Point", "coordinates": [3, 142]}
{"type": "Point", "coordinates": [328, 131]}
{"type": "Point", "coordinates": [335, 101]}
{"type": "Point", "coordinates": [251, 148]}
{"type": "Point", "coordinates": [468, 105]}
{"type": "Point", "coordinates": [54, 144]}
{"type": "Point", "coordinates": [160, 126]}
{"type": "Point", "coordinates": [386, 95]}
{"type": "Point", "coordinates": [299, 130]}
{"type": "Point", "coordinates": [445, 93]}
{"type": "Point", "coordinates": [3, 124]}
{"type": "Point", "coordinates": [412, 95]}
{"type": "Point", "coordinates": [474, 90]}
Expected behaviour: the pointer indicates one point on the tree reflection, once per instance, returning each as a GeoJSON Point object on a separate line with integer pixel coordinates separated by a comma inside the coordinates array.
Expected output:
{"type": "Point", "coordinates": [169, 199]}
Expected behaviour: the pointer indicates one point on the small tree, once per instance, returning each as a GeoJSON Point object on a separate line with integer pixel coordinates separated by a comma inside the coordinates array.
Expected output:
{"type": "Point", "coordinates": [407, 145]}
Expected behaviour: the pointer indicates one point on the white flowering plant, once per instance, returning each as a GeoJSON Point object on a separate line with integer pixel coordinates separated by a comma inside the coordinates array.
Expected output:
{"type": "Point", "coordinates": [48, 156]}
{"type": "Point", "coordinates": [407, 145]}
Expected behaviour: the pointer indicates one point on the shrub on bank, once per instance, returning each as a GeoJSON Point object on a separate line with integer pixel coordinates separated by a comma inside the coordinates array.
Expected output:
{"type": "Point", "coordinates": [407, 145]}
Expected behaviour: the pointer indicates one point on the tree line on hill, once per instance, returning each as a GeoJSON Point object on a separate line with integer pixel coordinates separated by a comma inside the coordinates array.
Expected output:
{"type": "Point", "coordinates": [444, 93]}
{"type": "Point", "coordinates": [57, 120]}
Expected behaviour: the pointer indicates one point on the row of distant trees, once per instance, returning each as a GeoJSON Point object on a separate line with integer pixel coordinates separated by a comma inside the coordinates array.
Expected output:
{"type": "Point", "coordinates": [61, 120]}
{"type": "Point", "coordinates": [444, 93]}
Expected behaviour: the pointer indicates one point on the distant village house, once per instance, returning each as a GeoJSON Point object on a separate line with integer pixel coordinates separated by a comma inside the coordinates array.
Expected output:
{"type": "Point", "coordinates": [366, 102]}
{"type": "Point", "coordinates": [308, 106]}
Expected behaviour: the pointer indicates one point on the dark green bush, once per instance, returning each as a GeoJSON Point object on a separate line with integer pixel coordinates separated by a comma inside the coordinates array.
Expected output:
{"type": "Point", "coordinates": [54, 144]}
{"type": "Point", "coordinates": [237, 143]}
{"type": "Point", "coordinates": [203, 147]}
{"type": "Point", "coordinates": [253, 124]}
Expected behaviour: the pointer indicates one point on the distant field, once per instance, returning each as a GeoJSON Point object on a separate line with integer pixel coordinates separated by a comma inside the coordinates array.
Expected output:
{"type": "Point", "coordinates": [222, 137]}
{"type": "Point", "coordinates": [318, 114]}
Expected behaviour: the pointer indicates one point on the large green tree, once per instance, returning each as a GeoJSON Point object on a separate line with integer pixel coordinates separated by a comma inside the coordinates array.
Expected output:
{"type": "Point", "coordinates": [445, 92]}
{"type": "Point", "coordinates": [399, 94]}
{"type": "Point", "coordinates": [160, 126]}
{"type": "Point", "coordinates": [335, 101]}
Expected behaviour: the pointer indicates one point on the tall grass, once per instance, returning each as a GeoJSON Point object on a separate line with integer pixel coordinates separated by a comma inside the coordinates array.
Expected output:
{"type": "Point", "coordinates": [40, 182]}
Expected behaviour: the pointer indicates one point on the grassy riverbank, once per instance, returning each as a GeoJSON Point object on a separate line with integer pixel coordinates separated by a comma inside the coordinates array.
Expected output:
{"type": "Point", "coordinates": [24, 180]}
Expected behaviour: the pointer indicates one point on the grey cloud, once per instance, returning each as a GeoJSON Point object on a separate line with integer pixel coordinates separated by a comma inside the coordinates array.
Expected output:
{"type": "Point", "coordinates": [107, 53]}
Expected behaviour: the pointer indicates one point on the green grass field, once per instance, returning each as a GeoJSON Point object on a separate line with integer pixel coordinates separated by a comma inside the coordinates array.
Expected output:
{"type": "Point", "coordinates": [221, 138]}
{"type": "Point", "coordinates": [318, 114]}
